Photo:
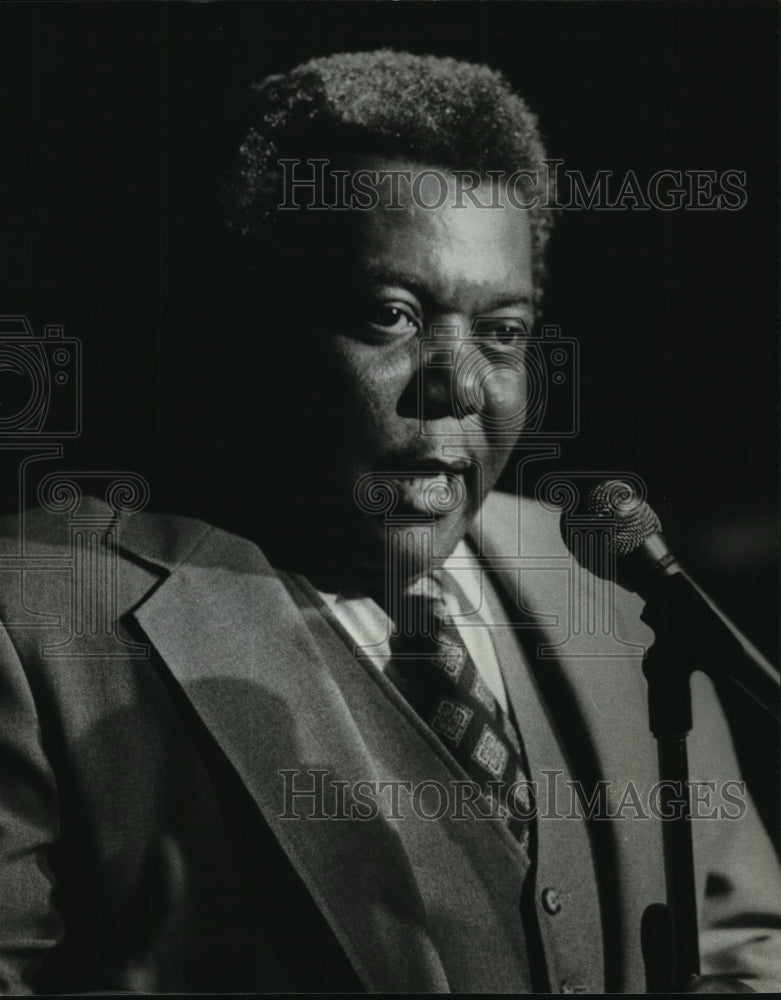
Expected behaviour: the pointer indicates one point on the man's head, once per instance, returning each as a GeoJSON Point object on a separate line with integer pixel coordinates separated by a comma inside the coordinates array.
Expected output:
{"type": "Point", "coordinates": [400, 322]}
{"type": "Point", "coordinates": [426, 109]}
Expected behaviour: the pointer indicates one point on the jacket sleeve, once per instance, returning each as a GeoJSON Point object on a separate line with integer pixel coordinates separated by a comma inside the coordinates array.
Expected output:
{"type": "Point", "coordinates": [29, 924]}
{"type": "Point", "coordinates": [737, 868]}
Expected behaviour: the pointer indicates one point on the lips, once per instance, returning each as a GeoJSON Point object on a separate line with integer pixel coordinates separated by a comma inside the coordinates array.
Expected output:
{"type": "Point", "coordinates": [424, 465]}
{"type": "Point", "coordinates": [428, 485]}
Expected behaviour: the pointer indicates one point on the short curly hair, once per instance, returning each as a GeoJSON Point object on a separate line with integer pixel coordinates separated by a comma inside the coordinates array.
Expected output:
{"type": "Point", "coordinates": [436, 110]}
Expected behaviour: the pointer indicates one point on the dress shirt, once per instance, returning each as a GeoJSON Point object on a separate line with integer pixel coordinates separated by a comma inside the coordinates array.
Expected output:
{"type": "Point", "coordinates": [464, 584]}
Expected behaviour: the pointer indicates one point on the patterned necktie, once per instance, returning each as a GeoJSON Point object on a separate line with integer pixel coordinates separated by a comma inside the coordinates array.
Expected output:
{"type": "Point", "coordinates": [432, 668]}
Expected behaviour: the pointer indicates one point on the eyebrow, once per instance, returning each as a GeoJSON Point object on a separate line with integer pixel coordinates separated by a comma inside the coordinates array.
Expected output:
{"type": "Point", "coordinates": [384, 275]}
{"type": "Point", "coordinates": [396, 276]}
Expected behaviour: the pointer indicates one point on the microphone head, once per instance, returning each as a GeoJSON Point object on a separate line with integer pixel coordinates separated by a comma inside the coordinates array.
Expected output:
{"type": "Point", "coordinates": [634, 521]}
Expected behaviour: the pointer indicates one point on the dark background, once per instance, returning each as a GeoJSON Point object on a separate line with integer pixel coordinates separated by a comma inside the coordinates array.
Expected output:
{"type": "Point", "coordinates": [119, 117]}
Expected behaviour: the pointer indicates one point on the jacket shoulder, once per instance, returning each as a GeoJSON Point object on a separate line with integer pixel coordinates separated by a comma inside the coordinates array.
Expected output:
{"type": "Point", "coordinates": [526, 529]}
{"type": "Point", "coordinates": [165, 539]}
{"type": "Point", "coordinates": [523, 525]}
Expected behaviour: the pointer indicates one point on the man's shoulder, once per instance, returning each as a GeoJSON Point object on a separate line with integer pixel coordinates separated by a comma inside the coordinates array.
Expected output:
{"type": "Point", "coordinates": [525, 528]}
{"type": "Point", "coordinates": [47, 531]}
{"type": "Point", "coordinates": [143, 545]}
{"type": "Point", "coordinates": [522, 525]}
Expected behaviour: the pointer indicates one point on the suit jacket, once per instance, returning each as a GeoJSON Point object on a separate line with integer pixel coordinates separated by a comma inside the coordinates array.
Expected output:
{"type": "Point", "coordinates": [163, 691]}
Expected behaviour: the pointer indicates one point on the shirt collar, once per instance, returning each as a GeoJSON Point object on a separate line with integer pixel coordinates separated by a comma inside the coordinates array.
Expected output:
{"type": "Point", "coordinates": [460, 581]}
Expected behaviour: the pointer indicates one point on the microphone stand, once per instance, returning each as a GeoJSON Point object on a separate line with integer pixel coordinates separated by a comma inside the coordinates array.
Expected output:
{"type": "Point", "coordinates": [688, 638]}
{"type": "Point", "coordinates": [670, 720]}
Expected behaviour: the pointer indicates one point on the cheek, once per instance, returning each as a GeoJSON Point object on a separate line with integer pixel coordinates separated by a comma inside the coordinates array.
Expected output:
{"type": "Point", "coordinates": [372, 382]}
{"type": "Point", "coordinates": [505, 386]}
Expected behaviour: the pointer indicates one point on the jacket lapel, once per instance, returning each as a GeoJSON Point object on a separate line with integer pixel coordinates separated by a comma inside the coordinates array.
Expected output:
{"type": "Point", "coordinates": [228, 630]}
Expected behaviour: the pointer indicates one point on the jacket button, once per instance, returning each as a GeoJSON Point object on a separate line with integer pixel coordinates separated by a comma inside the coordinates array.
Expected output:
{"type": "Point", "coordinates": [550, 901]}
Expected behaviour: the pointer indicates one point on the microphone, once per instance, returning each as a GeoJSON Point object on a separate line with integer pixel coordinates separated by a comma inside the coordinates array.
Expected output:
{"type": "Point", "coordinates": [676, 607]}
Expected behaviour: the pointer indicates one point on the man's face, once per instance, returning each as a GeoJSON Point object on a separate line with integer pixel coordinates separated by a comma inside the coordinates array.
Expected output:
{"type": "Point", "coordinates": [423, 367]}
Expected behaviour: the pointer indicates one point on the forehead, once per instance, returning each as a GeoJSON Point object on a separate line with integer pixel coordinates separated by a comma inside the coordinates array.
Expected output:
{"type": "Point", "coordinates": [459, 244]}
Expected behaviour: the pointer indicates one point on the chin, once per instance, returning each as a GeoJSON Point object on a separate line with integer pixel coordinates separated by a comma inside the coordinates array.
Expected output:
{"type": "Point", "coordinates": [403, 550]}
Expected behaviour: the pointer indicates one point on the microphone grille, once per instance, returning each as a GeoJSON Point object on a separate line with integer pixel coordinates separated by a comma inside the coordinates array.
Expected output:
{"type": "Point", "coordinates": [633, 519]}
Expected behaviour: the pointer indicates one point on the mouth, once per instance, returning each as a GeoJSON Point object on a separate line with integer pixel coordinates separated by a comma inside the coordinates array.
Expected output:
{"type": "Point", "coordinates": [428, 486]}
{"type": "Point", "coordinates": [423, 465]}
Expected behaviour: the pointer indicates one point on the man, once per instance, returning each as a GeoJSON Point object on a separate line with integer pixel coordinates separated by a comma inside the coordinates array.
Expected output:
{"type": "Point", "coordinates": [329, 763]}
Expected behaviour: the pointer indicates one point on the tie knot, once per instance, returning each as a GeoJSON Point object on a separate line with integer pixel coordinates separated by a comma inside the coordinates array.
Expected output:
{"type": "Point", "coordinates": [426, 588]}
{"type": "Point", "coordinates": [420, 609]}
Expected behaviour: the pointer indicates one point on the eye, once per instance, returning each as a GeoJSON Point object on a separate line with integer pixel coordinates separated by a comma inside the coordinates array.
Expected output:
{"type": "Point", "coordinates": [393, 318]}
{"type": "Point", "coordinates": [502, 331]}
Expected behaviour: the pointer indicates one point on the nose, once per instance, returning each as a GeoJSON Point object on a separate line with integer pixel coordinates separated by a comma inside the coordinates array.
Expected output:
{"type": "Point", "coordinates": [445, 388]}
{"type": "Point", "coordinates": [466, 377]}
